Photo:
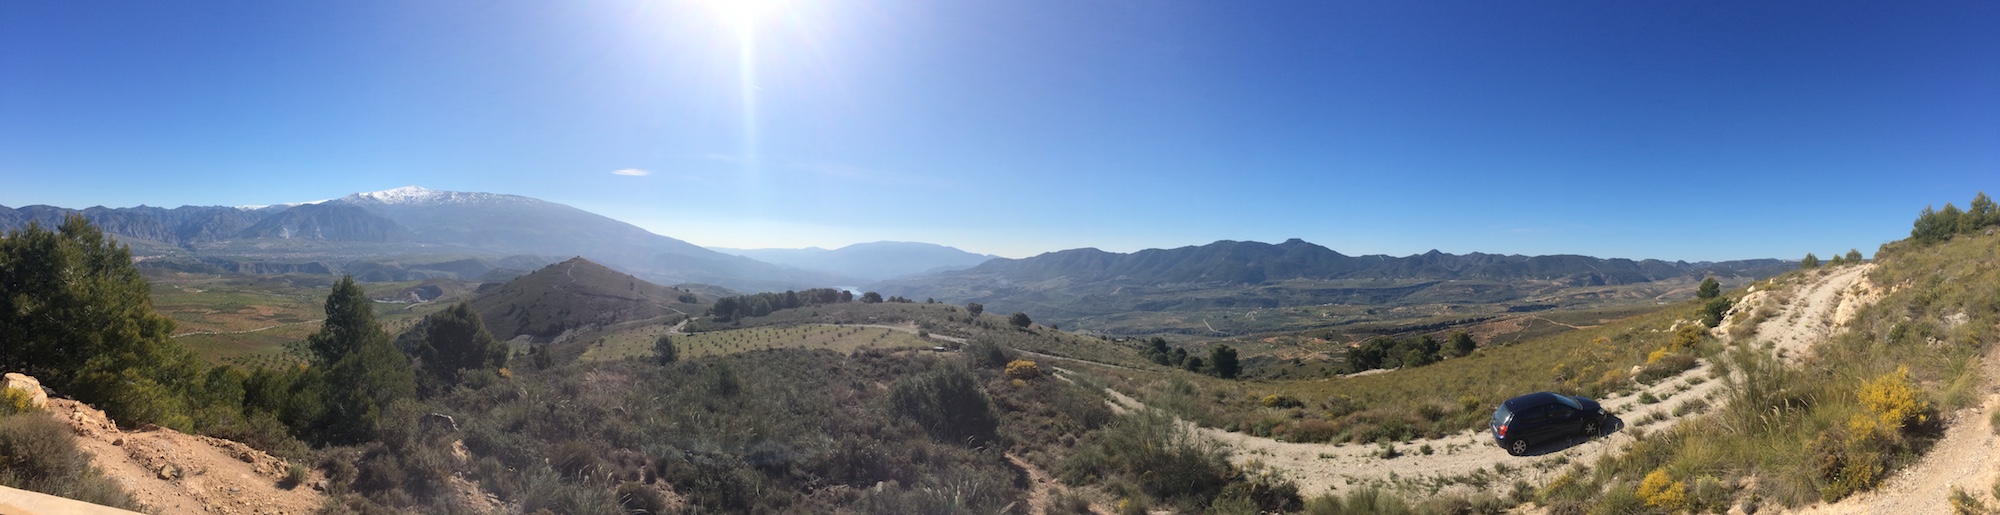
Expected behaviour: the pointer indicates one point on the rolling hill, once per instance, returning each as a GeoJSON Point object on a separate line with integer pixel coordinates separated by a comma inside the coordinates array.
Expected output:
{"type": "Point", "coordinates": [574, 294]}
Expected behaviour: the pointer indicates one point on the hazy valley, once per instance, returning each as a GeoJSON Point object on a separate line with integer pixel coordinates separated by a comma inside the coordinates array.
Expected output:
{"type": "Point", "coordinates": [490, 379]}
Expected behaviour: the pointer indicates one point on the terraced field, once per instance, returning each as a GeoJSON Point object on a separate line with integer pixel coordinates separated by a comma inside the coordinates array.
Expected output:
{"type": "Point", "coordinates": [638, 342]}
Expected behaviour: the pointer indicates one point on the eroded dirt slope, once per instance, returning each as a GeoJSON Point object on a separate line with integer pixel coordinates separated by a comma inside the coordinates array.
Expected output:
{"type": "Point", "coordinates": [174, 473]}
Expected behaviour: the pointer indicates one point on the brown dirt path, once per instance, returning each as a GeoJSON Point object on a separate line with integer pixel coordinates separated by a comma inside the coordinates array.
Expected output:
{"type": "Point", "coordinates": [1815, 309]}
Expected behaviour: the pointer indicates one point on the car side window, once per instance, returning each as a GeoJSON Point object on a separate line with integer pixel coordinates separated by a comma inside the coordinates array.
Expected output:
{"type": "Point", "coordinates": [1533, 414]}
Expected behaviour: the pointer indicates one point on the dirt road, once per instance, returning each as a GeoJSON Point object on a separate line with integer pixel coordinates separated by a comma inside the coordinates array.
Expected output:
{"type": "Point", "coordinates": [1813, 310]}
{"type": "Point", "coordinates": [1456, 460]}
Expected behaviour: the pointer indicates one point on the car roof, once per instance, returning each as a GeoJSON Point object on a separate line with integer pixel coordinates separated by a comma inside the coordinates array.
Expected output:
{"type": "Point", "coordinates": [1533, 399]}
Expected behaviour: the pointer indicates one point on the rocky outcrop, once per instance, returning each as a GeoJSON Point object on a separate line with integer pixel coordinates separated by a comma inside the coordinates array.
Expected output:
{"type": "Point", "coordinates": [37, 397]}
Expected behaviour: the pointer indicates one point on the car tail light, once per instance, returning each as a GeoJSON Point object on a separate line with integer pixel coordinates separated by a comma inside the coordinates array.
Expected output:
{"type": "Point", "coordinates": [1503, 430]}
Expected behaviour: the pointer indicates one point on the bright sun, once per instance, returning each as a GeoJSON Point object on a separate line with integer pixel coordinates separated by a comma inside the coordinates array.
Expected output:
{"type": "Point", "coordinates": [743, 13]}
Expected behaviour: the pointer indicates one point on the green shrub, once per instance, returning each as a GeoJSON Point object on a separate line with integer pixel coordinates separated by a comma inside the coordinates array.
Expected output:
{"type": "Point", "coordinates": [1713, 309]}
{"type": "Point", "coordinates": [1668, 365]}
{"type": "Point", "coordinates": [1620, 499]}
{"type": "Point", "coordinates": [1965, 504]}
{"type": "Point", "coordinates": [1263, 491]}
{"type": "Point", "coordinates": [1367, 500]}
{"type": "Point", "coordinates": [638, 498]}
{"type": "Point", "coordinates": [948, 403]}
{"type": "Point", "coordinates": [1153, 451]}
{"type": "Point", "coordinates": [1708, 494]}
{"type": "Point", "coordinates": [1281, 401]}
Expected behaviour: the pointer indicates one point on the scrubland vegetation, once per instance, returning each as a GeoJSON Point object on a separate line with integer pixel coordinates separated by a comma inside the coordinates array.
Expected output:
{"type": "Point", "coordinates": [1867, 402]}
{"type": "Point", "coordinates": [725, 426]}
{"type": "Point", "coordinates": [817, 401]}
{"type": "Point", "coordinates": [1448, 396]}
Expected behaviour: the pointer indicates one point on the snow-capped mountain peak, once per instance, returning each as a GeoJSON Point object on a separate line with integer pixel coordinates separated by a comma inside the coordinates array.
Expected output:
{"type": "Point", "coordinates": [403, 195]}
{"type": "Point", "coordinates": [419, 195]}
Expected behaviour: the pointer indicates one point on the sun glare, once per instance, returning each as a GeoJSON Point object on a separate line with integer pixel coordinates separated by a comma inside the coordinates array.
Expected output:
{"type": "Point", "coordinates": [743, 13]}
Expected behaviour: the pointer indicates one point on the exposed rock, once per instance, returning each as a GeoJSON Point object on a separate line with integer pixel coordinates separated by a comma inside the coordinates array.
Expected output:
{"type": "Point", "coordinates": [37, 397]}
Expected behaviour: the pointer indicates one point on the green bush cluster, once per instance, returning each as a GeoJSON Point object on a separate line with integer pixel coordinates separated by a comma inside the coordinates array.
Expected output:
{"type": "Point", "coordinates": [1386, 352]}
{"type": "Point", "coordinates": [728, 309]}
{"type": "Point", "coordinates": [948, 403]}
{"type": "Point", "coordinates": [1937, 226]}
{"type": "Point", "coordinates": [1161, 459]}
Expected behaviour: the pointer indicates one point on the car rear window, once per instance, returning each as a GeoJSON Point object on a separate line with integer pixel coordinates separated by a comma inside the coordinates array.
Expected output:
{"type": "Point", "coordinates": [1500, 415]}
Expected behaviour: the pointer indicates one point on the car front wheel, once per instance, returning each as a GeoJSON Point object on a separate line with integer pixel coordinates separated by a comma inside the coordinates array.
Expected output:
{"type": "Point", "coordinates": [1590, 429]}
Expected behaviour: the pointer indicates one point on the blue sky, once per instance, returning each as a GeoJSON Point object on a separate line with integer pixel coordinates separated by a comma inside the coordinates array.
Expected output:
{"type": "Point", "coordinates": [1699, 130]}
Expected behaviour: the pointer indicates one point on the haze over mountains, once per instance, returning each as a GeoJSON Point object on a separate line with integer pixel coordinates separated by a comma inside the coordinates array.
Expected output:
{"type": "Point", "coordinates": [412, 224]}
{"type": "Point", "coordinates": [414, 233]}
{"type": "Point", "coordinates": [871, 261]}
{"type": "Point", "coordinates": [1083, 282]}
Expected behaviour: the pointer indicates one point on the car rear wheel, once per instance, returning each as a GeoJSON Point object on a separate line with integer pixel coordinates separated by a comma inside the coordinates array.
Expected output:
{"type": "Point", "coordinates": [1519, 447]}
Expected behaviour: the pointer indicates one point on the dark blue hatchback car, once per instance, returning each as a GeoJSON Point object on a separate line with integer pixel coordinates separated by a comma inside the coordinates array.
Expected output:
{"type": "Point", "coordinates": [1542, 416]}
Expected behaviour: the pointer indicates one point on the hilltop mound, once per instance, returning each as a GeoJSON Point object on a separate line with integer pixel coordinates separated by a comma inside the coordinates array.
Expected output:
{"type": "Point", "coordinates": [570, 295]}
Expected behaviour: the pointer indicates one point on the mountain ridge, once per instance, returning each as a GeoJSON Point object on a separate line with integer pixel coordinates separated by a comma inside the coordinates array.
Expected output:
{"type": "Point", "coordinates": [1077, 283]}
{"type": "Point", "coordinates": [416, 221]}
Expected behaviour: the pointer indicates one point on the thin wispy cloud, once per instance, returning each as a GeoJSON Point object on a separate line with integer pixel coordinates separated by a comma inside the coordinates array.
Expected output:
{"type": "Point", "coordinates": [631, 172]}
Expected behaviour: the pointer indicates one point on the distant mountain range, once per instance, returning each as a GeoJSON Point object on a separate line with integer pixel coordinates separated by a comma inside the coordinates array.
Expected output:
{"type": "Point", "coordinates": [1085, 282]}
{"type": "Point", "coordinates": [869, 261]}
{"type": "Point", "coordinates": [413, 233]}
{"type": "Point", "coordinates": [365, 228]}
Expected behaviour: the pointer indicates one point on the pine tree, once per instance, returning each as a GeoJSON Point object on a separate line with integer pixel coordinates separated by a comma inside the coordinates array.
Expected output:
{"type": "Point", "coordinates": [1223, 358]}
{"type": "Point", "coordinates": [350, 321]}
{"type": "Point", "coordinates": [1950, 219]}
{"type": "Point", "coordinates": [1928, 228]}
{"type": "Point", "coordinates": [1810, 261]}
{"type": "Point", "coordinates": [1709, 289]}
{"type": "Point", "coordinates": [1462, 344]}
{"type": "Point", "coordinates": [1983, 212]}
{"type": "Point", "coordinates": [363, 372]}
{"type": "Point", "coordinates": [1854, 256]}
{"type": "Point", "coordinates": [664, 351]}
{"type": "Point", "coordinates": [456, 340]}
{"type": "Point", "coordinates": [1020, 320]}
{"type": "Point", "coordinates": [75, 313]}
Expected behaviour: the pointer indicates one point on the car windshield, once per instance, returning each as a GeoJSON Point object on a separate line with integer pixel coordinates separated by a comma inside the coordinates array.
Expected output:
{"type": "Point", "coordinates": [1570, 401]}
